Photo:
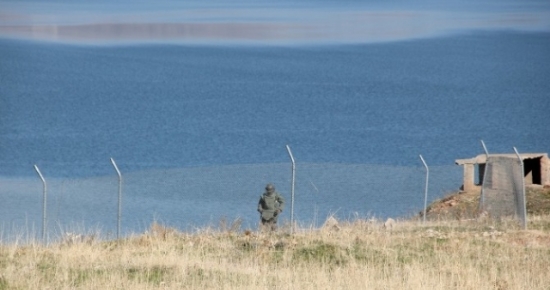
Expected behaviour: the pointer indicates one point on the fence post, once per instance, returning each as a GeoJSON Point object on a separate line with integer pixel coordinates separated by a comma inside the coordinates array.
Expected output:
{"type": "Point", "coordinates": [482, 194]}
{"type": "Point", "coordinates": [44, 202]}
{"type": "Point", "coordinates": [524, 214]}
{"type": "Point", "coordinates": [119, 198]}
{"type": "Point", "coordinates": [426, 188]}
{"type": "Point", "coordinates": [292, 189]}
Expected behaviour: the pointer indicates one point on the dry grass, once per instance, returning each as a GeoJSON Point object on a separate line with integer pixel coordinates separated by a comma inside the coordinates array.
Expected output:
{"type": "Point", "coordinates": [354, 255]}
{"type": "Point", "coordinates": [538, 200]}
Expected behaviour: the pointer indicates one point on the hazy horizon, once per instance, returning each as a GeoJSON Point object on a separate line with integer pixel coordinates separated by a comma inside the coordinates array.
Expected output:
{"type": "Point", "coordinates": [281, 22]}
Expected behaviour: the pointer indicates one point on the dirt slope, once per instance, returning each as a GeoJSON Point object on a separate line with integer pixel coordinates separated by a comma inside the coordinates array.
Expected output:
{"type": "Point", "coordinates": [465, 205]}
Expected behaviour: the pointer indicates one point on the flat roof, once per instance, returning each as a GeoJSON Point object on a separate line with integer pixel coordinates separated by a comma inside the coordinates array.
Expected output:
{"type": "Point", "coordinates": [482, 158]}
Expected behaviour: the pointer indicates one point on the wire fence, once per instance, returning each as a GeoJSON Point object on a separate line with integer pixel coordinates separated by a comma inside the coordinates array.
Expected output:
{"type": "Point", "coordinates": [503, 188]}
{"type": "Point", "coordinates": [198, 197]}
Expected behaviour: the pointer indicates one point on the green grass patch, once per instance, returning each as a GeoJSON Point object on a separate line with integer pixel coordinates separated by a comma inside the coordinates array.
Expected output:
{"type": "Point", "coordinates": [47, 265]}
{"type": "Point", "coordinates": [4, 285]}
{"type": "Point", "coordinates": [79, 277]}
{"type": "Point", "coordinates": [153, 275]}
{"type": "Point", "coordinates": [321, 252]}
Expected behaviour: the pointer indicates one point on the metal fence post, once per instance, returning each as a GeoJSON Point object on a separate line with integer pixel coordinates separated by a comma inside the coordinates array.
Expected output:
{"type": "Point", "coordinates": [426, 188]}
{"type": "Point", "coordinates": [44, 202]}
{"type": "Point", "coordinates": [119, 198]}
{"type": "Point", "coordinates": [482, 194]}
{"type": "Point", "coordinates": [292, 189]}
{"type": "Point", "coordinates": [524, 209]}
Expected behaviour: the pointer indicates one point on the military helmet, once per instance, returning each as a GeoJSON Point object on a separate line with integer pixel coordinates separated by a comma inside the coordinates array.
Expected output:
{"type": "Point", "coordinates": [270, 187]}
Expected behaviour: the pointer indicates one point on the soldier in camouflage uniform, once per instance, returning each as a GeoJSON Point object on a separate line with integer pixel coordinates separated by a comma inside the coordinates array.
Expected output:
{"type": "Point", "coordinates": [270, 206]}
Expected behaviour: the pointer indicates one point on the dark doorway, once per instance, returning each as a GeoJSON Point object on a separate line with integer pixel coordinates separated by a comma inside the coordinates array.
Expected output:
{"type": "Point", "coordinates": [531, 171]}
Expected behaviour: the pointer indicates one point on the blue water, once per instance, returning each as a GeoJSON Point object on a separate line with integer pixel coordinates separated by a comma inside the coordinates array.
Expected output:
{"type": "Point", "coordinates": [198, 128]}
{"type": "Point", "coordinates": [70, 108]}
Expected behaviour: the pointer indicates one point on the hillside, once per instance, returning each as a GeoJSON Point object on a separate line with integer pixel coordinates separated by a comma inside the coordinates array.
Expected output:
{"type": "Point", "coordinates": [464, 205]}
{"type": "Point", "coordinates": [362, 254]}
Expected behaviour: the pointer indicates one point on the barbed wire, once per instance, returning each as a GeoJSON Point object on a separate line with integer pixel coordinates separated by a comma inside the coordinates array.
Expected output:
{"type": "Point", "coordinates": [187, 198]}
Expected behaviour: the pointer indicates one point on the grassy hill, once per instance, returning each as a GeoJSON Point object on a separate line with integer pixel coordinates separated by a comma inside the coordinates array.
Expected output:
{"type": "Point", "coordinates": [449, 251]}
{"type": "Point", "coordinates": [465, 205]}
{"type": "Point", "coordinates": [361, 254]}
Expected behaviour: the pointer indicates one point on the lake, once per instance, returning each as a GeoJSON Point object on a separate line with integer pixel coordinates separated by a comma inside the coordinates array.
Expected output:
{"type": "Point", "coordinates": [197, 129]}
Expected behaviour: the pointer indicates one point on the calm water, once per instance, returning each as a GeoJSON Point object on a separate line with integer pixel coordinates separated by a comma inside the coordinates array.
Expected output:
{"type": "Point", "coordinates": [195, 126]}
{"type": "Point", "coordinates": [69, 108]}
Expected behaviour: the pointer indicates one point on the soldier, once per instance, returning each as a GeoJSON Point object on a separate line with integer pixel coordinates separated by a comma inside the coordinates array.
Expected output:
{"type": "Point", "coordinates": [270, 206]}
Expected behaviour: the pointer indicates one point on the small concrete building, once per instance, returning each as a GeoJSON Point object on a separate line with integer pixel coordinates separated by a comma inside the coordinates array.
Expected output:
{"type": "Point", "coordinates": [536, 167]}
